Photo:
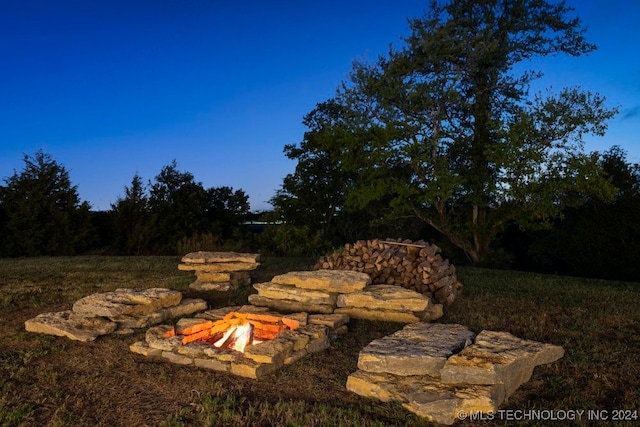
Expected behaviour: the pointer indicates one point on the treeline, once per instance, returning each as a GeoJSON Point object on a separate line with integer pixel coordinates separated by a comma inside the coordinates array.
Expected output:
{"type": "Point", "coordinates": [41, 214]}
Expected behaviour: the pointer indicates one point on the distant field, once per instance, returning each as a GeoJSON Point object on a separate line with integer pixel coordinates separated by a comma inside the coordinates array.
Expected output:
{"type": "Point", "coordinates": [53, 381]}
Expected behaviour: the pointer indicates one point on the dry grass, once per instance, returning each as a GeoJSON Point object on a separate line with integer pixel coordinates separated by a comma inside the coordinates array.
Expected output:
{"type": "Point", "coordinates": [54, 381]}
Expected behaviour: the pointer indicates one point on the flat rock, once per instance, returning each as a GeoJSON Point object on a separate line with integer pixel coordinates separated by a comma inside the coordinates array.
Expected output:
{"type": "Point", "coordinates": [186, 307]}
{"type": "Point", "coordinates": [289, 305]}
{"type": "Point", "coordinates": [499, 358]}
{"type": "Point", "coordinates": [427, 397]}
{"type": "Point", "coordinates": [202, 286]}
{"type": "Point", "coordinates": [62, 324]}
{"type": "Point", "coordinates": [155, 338]}
{"type": "Point", "coordinates": [218, 267]}
{"type": "Point", "coordinates": [127, 302]}
{"type": "Point", "coordinates": [417, 349]}
{"type": "Point", "coordinates": [307, 296]}
{"type": "Point", "coordinates": [333, 321]}
{"type": "Point", "coordinates": [212, 276]}
{"type": "Point", "coordinates": [383, 315]}
{"type": "Point", "coordinates": [338, 281]}
{"type": "Point", "coordinates": [204, 257]}
{"type": "Point", "coordinates": [141, 347]}
{"type": "Point", "coordinates": [385, 297]}
{"type": "Point", "coordinates": [233, 277]}
{"type": "Point", "coordinates": [219, 313]}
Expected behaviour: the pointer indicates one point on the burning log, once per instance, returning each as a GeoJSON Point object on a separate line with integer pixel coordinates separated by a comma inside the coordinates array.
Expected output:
{"type": "Point", "coordinates": [235, 330]}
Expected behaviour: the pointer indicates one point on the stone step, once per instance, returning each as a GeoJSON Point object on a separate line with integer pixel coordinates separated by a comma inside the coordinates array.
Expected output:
{"type": "Point", "coordinates": [385, 297]}
{"type": "Point", "coordinates": [425, 396]}
{"type": "Point", "coordinates": [437, 372]}
{"type": "Point", "coordinates": [120, 311]}
{"type": "Point", "coordinates": [308, 296]}
{"type": "Point", "coordinates": [380, 315]}
{"type": "Point", "coordinates": [205, 257]}
{"type": "Point", "coordinates": [132, 302]}
{"type": "Point", "coordinates": [63, 324]}
{"type": "Point", "coordinates": [417, 349]}
{"type": "Point", "coordinates": [499, 358]}
{"type": "Point", "coordinates": [218, 267]}
{"type": "Point", "coordinates": [287, 305]}
{"type": "Point", "coordinates": [338, 281]}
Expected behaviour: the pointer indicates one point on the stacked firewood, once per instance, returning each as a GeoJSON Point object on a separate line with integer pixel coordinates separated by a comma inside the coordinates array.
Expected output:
{"type": "Point", "coordinates": [413, 265]}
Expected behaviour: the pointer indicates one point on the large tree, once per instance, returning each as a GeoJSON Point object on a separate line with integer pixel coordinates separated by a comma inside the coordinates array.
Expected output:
{"type": "Point", "coordinates": [447, 127]}
{"type": "Point", "coordinates": [42, 211]}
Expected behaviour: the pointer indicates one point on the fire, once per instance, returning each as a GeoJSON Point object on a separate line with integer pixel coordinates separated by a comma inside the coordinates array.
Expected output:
{"type": "Point", "coordinates": [236, 331]}
{"type": "Point", "coordinates": [237, 337]}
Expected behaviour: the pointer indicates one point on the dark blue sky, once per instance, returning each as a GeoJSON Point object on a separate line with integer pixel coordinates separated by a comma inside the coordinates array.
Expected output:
{"type": "Point", "coordinates": [110, 88]}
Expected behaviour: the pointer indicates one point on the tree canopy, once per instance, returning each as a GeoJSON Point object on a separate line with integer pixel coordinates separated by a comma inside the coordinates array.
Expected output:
{"type": "Point", "coordinates": [41, 211]}
{"type": "Point", "coordinates": [445, 129]}
{"type": "Point", "coordinates": [155, 217]}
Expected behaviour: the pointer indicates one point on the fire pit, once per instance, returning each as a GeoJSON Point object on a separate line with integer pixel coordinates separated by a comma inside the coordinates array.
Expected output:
{"type": "Point", "coordinates": [235, 331]}
{"type": "Point", "coordinates": [240, 340]}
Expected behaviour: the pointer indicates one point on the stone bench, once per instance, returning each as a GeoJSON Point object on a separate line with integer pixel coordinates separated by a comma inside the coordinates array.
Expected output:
{"type": "Point", "coordinates": [438, 370]}
{"type": "Point", "coordinates": [344, 292]}
{"type": "Point", "coordinates": [119, 311]}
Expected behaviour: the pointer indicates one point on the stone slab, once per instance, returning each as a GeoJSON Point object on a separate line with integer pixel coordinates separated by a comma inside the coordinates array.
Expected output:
{"type": "Point", "coordinates": [289, 305]}
{"type": "Point", "coordinates": [201, 286]}
{"type": "Point", "coordinates": [129, 323]}
{"type": "Point", "coordinates": [213, 277]}
{"type": "Point", "coordinates": [333, 321]}
{"type": "Point", "coordinates": [251, 369]}
{"type": "Point", "coordinates": [204, 257]}
{"type": "Point", "coordinates": [499, 358]}
{"type": "Point", "coordinates": [219, 313]}
{"type": "Point", "coordinates": [214, 364]}
{"type": "Point", "coordinates": [272, 351]}
{"type": "Point", "coordinates": [417, 349]}
{"type": "Point", "coordinates": [155, 338]}
{"type": "Point", "coordinates": [186, 307]}
{"type": "Point", "coordinates": [382, 315]}
{"type": "Point", "coordinates": [339, 281]}
{"type": "Point", "coordinates": [385, 297]}
{"type": "Point", "coordinates": [62, 324]}
{"type": "Point", "coordinates": [287, 292]}
{"type": "Point", "coordinates": [177, 358]}
{"type": "Point", "coordinates": [427, 397]}
{"type": "Point", "coordinates": [218, 267]}
{"type": "Point", "coordinates": [233, 277]}
{"type": "Point", "coordinates": [132, 302]}
{"type": "Point", "coordinates": [141, 347]}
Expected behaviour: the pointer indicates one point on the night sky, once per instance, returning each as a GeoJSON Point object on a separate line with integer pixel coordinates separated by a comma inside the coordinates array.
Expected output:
{"type": "Point", "coordinates": [111, 88]}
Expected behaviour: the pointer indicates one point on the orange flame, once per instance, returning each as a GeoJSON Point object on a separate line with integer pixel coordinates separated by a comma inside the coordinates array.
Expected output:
{"type": "Point", "coordinates": [236, 330]}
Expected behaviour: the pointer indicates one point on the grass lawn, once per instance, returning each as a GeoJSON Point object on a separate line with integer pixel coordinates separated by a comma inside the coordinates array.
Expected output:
{"type": "Point", "coordinates": [54, 381]}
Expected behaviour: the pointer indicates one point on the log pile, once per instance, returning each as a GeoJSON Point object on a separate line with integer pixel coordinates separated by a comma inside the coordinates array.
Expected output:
{"type": "Point", "coordinates": [417, 266]}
